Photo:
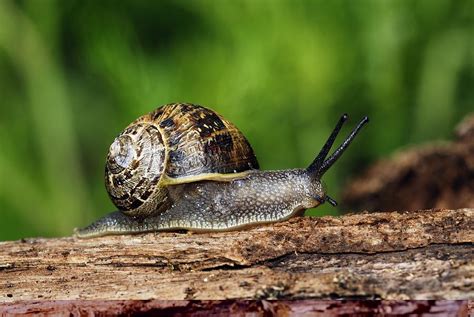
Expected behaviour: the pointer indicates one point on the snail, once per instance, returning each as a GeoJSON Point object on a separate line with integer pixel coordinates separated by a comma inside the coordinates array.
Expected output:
{"type": "Point", "coordinates": [185, 167]}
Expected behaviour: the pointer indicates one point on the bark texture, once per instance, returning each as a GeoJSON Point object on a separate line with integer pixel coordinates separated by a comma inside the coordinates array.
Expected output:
{"type": "Point", "coordinates": [397, 255]}
{"type": "Point", "coordinates": [264, 308]}
{"type": "Point", "coordinates": [439, 175]}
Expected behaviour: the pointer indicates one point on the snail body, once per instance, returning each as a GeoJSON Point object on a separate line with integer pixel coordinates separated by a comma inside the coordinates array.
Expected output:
{"type": "Point", "coordinates": [185, 167]}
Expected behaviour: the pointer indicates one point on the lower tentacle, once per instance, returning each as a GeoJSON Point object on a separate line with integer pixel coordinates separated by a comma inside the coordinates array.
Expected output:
{"type": "Point", "coordinates": [113, 223]}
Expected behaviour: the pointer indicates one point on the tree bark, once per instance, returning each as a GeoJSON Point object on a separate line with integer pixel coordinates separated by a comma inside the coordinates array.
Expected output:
{"type": "Point", "coordinates": [395, 255]}
{"type": "Point", "coordinates": [257, 308]}
{"type": "Point", "coordinates": [441, 175]}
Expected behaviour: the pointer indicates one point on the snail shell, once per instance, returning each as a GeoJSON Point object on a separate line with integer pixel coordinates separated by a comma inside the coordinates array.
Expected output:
{"type": "Point", "coordinates": [175, 144]}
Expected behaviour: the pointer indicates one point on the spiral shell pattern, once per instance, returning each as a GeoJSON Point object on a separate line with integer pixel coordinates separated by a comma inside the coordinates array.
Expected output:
{"type": "Point", "coordinates": [185, 142]}
{"type": "Point", "coordinates": [134, 167]}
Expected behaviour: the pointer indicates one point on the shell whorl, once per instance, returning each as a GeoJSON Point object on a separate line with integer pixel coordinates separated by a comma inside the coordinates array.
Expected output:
{"type": "Point", "coordinates": [134, 167]}
{"type": "Point", "coordinates": [176, 143]}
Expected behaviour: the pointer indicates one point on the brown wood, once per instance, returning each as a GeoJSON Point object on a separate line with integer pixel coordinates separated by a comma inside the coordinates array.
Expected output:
{"type": "Point", "coordinates": [239, 308]}
{"type": "Point", "coordinates": [397, 255]}
{"type": "Point", "coordinates": [433, 175]}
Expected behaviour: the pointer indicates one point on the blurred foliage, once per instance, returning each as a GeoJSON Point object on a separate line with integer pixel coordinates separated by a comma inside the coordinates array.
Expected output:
{"type": "Point", "coordinates": [73, 74]}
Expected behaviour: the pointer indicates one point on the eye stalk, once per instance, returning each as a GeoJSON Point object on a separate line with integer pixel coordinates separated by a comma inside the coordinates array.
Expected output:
{"type": "Point", "coordinates": [321, 164]}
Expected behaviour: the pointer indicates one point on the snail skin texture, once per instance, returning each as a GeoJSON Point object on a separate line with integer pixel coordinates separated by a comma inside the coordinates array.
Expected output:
{"type": "Point", "coordinates": [184, 167]}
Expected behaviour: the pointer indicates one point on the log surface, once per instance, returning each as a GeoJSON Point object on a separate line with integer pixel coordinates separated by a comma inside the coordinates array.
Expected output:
{"type": "Point", "coordinates": [395, 255]}
{"type": "Point", "coordinates": [238, 308]}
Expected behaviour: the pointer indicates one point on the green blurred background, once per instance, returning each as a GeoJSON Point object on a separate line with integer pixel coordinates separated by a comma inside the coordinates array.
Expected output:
{"type": "Point", "coordinates": [73, 74]}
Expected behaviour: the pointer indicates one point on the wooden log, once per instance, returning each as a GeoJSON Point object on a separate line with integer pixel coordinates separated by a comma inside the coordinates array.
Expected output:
{"type": "Point", "coordinates": [441, 175]}
{"type": "Point", "coordinates": [397, 255]}
{"type": "Point", "coordinates": [257, 308]}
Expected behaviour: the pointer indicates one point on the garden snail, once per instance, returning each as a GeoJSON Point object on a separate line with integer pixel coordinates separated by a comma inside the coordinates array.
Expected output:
{"type": "Point", "coordinates": [184, 166]}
